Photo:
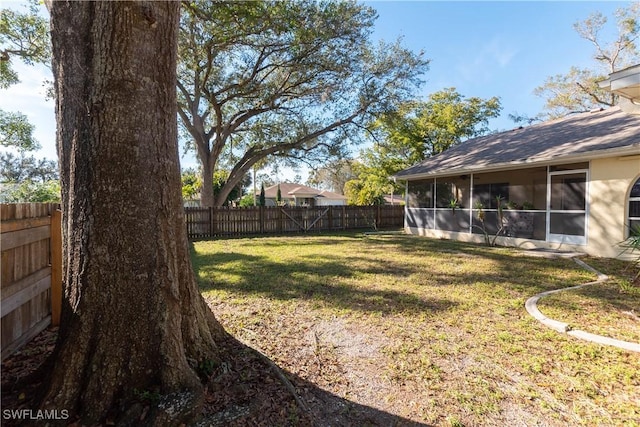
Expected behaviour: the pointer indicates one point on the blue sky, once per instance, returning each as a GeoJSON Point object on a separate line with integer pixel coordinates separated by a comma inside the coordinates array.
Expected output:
{"type": "Point", "coordinates": [483, 49]}
{"type": "Point", "coordinates": [487, 49]}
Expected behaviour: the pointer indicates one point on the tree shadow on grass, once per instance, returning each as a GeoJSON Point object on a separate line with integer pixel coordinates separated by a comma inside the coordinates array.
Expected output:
{"type": "Point", "coordinates": [528, 274]}
{"type": "Point", "coordinates": [340, 280]}
{"type": "Point", "coordinates": [321, 279]}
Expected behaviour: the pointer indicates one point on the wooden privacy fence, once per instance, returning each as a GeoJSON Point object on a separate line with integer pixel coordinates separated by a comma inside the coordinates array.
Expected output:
{"type": "Point", "coordinates": [31, 275]}
{"type": "Point", "coordinates": [212, 222]}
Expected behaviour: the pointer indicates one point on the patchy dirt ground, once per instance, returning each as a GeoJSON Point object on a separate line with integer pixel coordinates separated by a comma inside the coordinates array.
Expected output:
{"type": "Point", "coordinates": [246, 391]}
{"type": "Point", "coordinates": [341, 371]}
{"type": "Point", "coordinates": [19, 386]}
{"type": "Point", "coordinates": [336, 369]}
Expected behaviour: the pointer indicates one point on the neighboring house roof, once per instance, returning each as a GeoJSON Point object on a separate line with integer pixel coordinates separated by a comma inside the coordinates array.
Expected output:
{"type": "Point", "coordinates": [578, 137]}
{"type": "Point", "coordinates": [290, 190]}
{"type": "Point", "coordinates": [331, 195]}
{"type": "Point", "coordinates": [287, 189]}
{"type": "Point", "coordinates": [302, 191]}
{"type": "Point", "coordinates": [393, 200]}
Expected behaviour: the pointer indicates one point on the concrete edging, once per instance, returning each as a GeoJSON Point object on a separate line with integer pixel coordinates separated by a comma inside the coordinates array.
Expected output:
{"type": "Point", "coordinates": [532, 309]}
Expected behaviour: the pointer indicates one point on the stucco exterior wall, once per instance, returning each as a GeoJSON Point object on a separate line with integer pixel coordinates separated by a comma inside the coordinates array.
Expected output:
{"type": "Point", "coordinates": [501, 241]}
{"type": "Point", "coordinates": [610, 182]}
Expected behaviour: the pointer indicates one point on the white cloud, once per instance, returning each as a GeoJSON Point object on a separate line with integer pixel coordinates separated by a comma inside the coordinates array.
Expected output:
{"type": "Point", "coordinates": [489, 58]}
{"type": "Point", "coordinates": [499, 51]}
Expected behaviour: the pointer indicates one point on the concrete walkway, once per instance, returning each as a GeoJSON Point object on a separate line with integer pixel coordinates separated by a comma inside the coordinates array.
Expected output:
{"type": "Point", "coordinates": [532, 308]}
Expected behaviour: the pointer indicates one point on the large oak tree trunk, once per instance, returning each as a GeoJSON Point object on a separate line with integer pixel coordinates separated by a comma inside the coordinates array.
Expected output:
{"type": "Point", "coordinates": [207, 199]}
{"type": "Point", "coordinates": [133, 320]}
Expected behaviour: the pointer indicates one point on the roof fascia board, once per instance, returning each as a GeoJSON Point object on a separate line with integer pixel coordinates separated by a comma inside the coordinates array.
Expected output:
{"type": "Point", "coordinates": [581, 157]}
{"type": "Point", "coordinates": [629, 71]}
{"type": "Point", "coordinates": [301, 194]}
{"type": "Point", "coordinates": [627, 81]}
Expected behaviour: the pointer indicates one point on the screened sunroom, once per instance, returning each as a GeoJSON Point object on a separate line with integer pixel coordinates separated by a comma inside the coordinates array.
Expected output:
{"type": "Point", "coordinates": [540, 203]}
{"type": "Point", "coordinates": [568, 184]}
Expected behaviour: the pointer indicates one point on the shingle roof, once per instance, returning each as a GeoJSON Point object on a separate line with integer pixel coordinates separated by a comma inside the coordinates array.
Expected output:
{"type": "Point", "coordinates": [289, 190]}
{"type": "Point", "coordinates": [331, 195]}
{"type": "Point", "coordinates": [589, 135]}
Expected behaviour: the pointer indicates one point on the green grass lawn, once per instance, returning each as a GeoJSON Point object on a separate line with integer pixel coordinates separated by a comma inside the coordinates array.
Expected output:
{"type": "Point", "coordinates": [431, 330]}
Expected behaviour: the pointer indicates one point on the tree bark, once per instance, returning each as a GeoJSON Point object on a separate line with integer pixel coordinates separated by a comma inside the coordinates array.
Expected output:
{"type": "Point", "coordinates": [206, 192]}
{"type": "Point", "coordinates": [133, 320]}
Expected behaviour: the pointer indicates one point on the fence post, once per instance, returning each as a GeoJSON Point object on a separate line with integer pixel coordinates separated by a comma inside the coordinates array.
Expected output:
{"type": "Point", "coordinates": [56, 266]}
{"type": "Point", "coordinates": [261, 216]}
{"type": "Point", "coordinates": [210, 221]}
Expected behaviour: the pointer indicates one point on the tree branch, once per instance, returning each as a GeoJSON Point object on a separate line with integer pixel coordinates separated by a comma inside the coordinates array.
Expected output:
{"type": "Point", "coordinates": [594, 96]}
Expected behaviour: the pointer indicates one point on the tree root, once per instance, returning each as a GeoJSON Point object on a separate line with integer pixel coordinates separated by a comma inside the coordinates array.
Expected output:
{"type": "Point", "coordinates": [288, 385]}
{"type": "Point", "coordinates": [285, 381]}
